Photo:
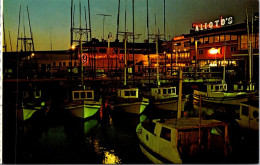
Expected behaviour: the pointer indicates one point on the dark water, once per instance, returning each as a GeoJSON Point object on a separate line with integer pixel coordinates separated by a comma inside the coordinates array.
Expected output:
{"type": "Point", "coordinates": [59, 138]}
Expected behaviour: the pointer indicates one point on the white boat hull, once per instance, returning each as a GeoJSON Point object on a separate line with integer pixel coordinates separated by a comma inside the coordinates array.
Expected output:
{"type": "Point", "coordinates": [83, 111]}
{"type": "Point", "coordinates": [131, 107]}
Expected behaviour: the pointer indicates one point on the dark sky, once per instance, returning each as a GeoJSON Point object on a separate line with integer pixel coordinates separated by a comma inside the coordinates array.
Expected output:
{"type": "Point", "coordinates": [50, 19]}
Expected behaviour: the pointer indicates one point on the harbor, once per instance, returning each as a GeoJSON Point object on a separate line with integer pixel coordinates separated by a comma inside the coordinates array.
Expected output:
{"type": "Point", "coordinates": [134, 93]}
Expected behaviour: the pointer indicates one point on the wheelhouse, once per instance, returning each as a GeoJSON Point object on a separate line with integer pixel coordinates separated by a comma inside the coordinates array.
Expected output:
{"type": "Point", "coordinates": [128, 93]}
{"type": "Point", "coordinates": [83, 95]}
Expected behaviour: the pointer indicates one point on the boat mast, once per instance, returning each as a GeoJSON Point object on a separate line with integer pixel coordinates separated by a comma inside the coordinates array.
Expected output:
{"type": "Point", "coordinates": [133, 70]}
{"type": "Point", "coordinates": [164, 19]}
{"type": "Point", "coordinates": [118, 20]}
{"type": "Point", "coordinates": [80, 43]}
{"type": "Point", "coordinates": [249, 52]}
{"type": "Point", "coordinates": [180, 93]}
{"type": "Point", "coordinates": [149, 70]}
{"type": "Point", "coordinates": [157, 59]}
{"type": "Point", "coordinates": [10, 41]}
{"type": "Point", "coordinates": [30, 28]}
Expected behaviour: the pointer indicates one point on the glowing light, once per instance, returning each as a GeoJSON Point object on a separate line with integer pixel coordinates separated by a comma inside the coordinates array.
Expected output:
{"type": "Point", "coordinates": [213, 51]}
{"type": "Point", "coordinates": [73, 47]}
{"type": "Point", "coordinates": [111, 158]}
{"type": "Point", "coordinates": [32, 54]}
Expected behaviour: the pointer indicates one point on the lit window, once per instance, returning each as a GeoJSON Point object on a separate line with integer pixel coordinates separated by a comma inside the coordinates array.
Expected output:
{"type": "Point", "coordinates": [211, 39]}
{"type": "Point", "coordinates": [222, 38]}
{"type": "Point", "coordinates": [206, 40]}
{"type": "Point", "coordinates": [233, 37]}
{"type": "Point", "coordinates": [227, 37]}
{"type": "Point", "coordinates": [216, 39]}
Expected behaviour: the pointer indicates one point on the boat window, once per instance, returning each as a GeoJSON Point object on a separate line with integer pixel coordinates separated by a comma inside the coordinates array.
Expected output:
{"type": "Point", "coordinates": [149, 126]}
{"type": "Point", "coordinates": [216, 87]}
{"type": "Point", "coordinates": [166, 134]}
{"type": "Point", "coordinates": [245, 110]}
{"type": "Point", "coordinates": [133, 93]}
{"type": "Point", "coordinates": [89, 95]}
{"type": "Point", "coordinates": [255, 114]}
{"type": "Point", "coordinates": [164, 91]}
{"type": "Point", "coordinates": [127, 93]}
{"type": "Point", "coordinates": [76, 95]}
{"type": "Point", "coordinates": [173, 90]}
{"type": "Point", "coordinates": [169, 91]}
{"type": "Point", "coordinates": [82, 95]}
{"type": "Point", "coordinates": [159, 91]}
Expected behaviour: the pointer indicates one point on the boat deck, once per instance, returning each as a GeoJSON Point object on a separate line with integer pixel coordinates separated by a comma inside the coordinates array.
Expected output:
{"type": "Point", "coordinates": [189, 123]}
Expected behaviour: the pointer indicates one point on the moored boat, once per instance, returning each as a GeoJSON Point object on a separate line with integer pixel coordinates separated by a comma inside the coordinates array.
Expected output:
{"type": "Point", "coordinates": [183, 140]}
{"type": "Point", "coordinates": [32, 103]}
{"type": "Point", "coordinates": [165, 98]}
{"type": "Point", "coordinates": [216, 97]}
{"type": "Point", "coordinates": [128, 100]}
{"type": "Point", "coordinates": [83, 104]}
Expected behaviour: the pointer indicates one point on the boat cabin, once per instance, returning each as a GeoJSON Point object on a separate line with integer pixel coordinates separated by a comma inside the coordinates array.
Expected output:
{"type": "Point", "coordinates": [249, 115]}
{"type": "Point", "coordinates": [34, 94]}
{"type": "Point", "coordinates": [241, 87]}
{"type": "Point", "coordinates": [182, 140]}
{"type": "Point", "coordinates": [164, 92]}
{"type": "Point", "coordinates": [216, 87]}
{"type": "Point", "coordinates": [128, 93]}
{"type": "Point", "coordinates": [83, 95]}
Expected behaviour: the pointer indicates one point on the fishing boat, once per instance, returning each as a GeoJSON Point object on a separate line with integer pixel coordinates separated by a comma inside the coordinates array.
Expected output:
{"type": "Point", "coordinates": [128, 100]}
{"type": "Point", "coordinates": [84, 104]}
{"type": "Point", "coordinates": [249, 115]}
{"type": "Point", "coordinates": [183, 140]}
{"type": "Point", "coordinates": [165, 98]}
{"type": "Point", "coordinates": [32, 103]}
{"type": "Point", "coordinates": [216, 97]}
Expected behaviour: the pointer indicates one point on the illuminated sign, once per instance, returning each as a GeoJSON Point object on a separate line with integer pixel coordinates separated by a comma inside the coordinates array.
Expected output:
{"type": "Point", "coordinates": [178, 38]}
{"type": "Point", "coordinates": [212, 25]}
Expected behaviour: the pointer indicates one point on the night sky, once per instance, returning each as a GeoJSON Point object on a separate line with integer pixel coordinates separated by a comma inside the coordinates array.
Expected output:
{"type": "Point", "coordinates": [50, 19]}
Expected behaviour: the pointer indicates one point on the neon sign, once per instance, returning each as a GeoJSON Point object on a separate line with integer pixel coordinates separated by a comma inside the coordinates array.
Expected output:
{"type": "Point", "coordinates": [213, 25]}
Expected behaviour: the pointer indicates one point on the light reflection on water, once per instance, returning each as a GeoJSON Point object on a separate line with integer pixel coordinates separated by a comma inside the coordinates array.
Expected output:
{"type": "Point", "coordinates": [111, 140]}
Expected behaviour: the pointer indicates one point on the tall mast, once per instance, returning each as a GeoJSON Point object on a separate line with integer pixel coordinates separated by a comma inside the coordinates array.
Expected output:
{"type": "Point", "coordinates": [249, 51]}
{"type": "Point", "coordinates": [5, 45]}
{"type": "Point", "coordinates": [80, 43]}
{"type": "Point", "coordinates": [10, 41]}
{"type": "Point", "coordinates": [89, 21]}
{"type": "Point", "coordinates": [149, 70]}
{"type": "Point", "coordinates": [71, 23]}
{"type": "Point", "coordinates": [133, 6]}
{"type": "Point", "coordinates": [118, 19]}
{"type": "Point", "coordinates": [30, 28]}
{"type": "Point", "coordinates": [18, 29]}
{"type": "Point", "coordinates": [164, 19]}
{"type": "Point", "coordinates": [86, 22]}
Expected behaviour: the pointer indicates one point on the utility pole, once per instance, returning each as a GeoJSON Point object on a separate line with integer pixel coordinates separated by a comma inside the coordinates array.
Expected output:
{"type": "Point", "coordinates": [104, 15]}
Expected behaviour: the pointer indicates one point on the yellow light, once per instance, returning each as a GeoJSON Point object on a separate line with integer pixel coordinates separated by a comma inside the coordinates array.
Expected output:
{"type": "Point", "coordinates": [32, 54]}
{"type": "Point", "coordinates": [213, 51]}
{"type": "Point", "coordinates": [73, 47]}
